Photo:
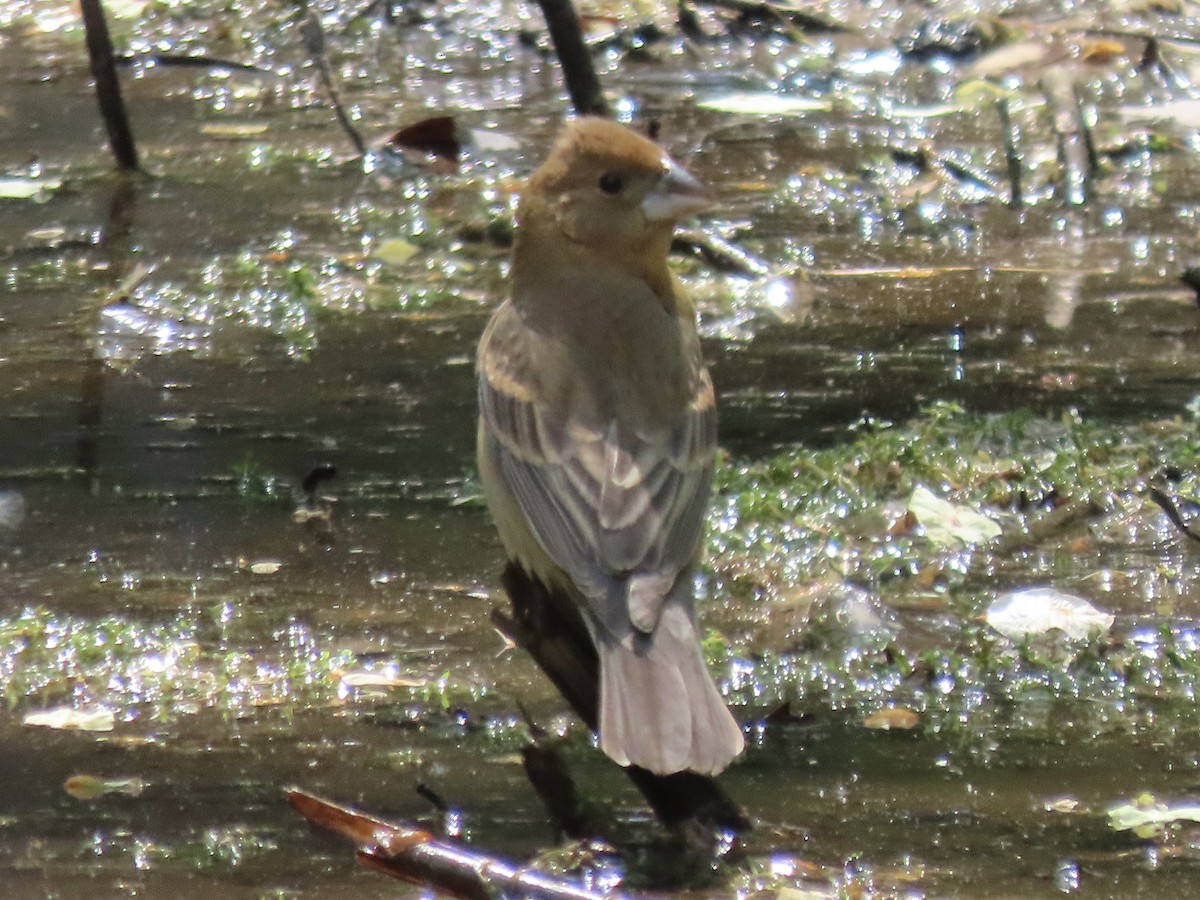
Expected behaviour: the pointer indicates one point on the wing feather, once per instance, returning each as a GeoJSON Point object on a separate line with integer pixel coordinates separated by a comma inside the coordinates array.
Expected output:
{"type": "Point", "coordinates": [621, 512]}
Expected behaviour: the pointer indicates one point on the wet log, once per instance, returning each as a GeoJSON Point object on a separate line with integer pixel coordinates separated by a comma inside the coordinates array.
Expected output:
{"type": "Point", "coordinates": [550, 629]}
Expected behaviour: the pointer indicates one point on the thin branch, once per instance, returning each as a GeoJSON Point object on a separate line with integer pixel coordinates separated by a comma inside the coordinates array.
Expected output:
{"type": "Point", "coordinates": [314, 43]}
{"type": "Point", "coordinates": [1171, 509]}
{"type": "Point", "coordinates": [574, 58]}
{"type": "Point", "coordinates": [1011, 155]}
{"type": "Point", "coordinates": [414, 855]}
{"type": "Point", "coordinates": [108, 88]}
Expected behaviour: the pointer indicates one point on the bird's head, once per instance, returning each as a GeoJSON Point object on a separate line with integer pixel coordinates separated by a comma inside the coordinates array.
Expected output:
{"type": "Point", "coordinates": [606, 189]}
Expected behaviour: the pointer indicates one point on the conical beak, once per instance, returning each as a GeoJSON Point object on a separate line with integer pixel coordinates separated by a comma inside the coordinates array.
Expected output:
{"type": "Point", "coordinates": [676, 196]}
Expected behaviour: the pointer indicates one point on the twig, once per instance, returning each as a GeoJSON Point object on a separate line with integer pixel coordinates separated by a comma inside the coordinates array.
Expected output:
{"type": "Point", "coordinates": [1168, 506]}
{"type": "Point", "coordinates": [414, 855]}
{"type": "Point", "coordinates": [108, 88]}
{"type": "Point", "coordinates": [1153, 59]}
{"type": "Point", "coordinates": [314, 43]}
{"type": "Point", "coordinates": [574, 58]}
{"type": "Point", "coordinates": [1011, 156]}
{"type": "Point", "coordinates": [814, 22]}
{"type": "Point", "coordinates": [549, 628]}
{"type": "Point", "coordinates": [1072, 147]}
{"type": "Point", "coordinates": [199, 61]}
{"type": "Point", "coordinates": [720, 253]}
{"type": "Point", "coordinates": [1085, 130]}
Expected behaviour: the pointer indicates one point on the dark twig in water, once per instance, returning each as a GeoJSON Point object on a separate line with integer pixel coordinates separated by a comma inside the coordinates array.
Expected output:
{"type": "Point", "coordinates": [1085, 130]}
{"type": "Point", "coordinates": [546, 771]}
{"type": "Point", "coordinates": [1153, 60]}
{"type": "Point", "coordinates": [555, 636]}
{"type": "Point", "coordinates": [414, 855]}
{"type": "Point", "coordinates": [574, 58]}
{"type": "Point", "coordinates": [199, 61]}
{"type": "Point", "coordinates": [816, 21]}
{"type": "Point", "coordinates": [108, 88]}
{"type": "Point", "coordinates": [1011, 156]}
{"type": "Point", "coordinates": [1171, 508]}
{"type": "Point", "coordinates": [719, 253]}
{"type": "Point", "coordinates": [314, 43]}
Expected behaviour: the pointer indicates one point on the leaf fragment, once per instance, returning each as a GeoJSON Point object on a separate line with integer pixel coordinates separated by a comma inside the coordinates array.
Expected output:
{"type": "Point", "coordinates": [1037, 610]}
{"type": "Point", "coordinates": [15, 187]}
{"type": "Point", "coordinates": [1146, 815]}
{"type": "Point", "coordinates": [90, 787]}
{"type": "Point", "coordinates": [948, 524]}
{"type": "Point", "coordinates": [66, 718]}
{"type": "Point", "coordinates": [898, 717]}
{"type": "Point", "coordinates": [762, 103]}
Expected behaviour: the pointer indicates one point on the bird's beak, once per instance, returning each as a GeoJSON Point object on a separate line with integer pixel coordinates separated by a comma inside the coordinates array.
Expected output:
{"type": "Point", "coordinates": [676, 196]}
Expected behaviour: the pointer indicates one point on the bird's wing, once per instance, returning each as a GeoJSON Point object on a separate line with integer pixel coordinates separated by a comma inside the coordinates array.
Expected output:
{"type": "Point", "coordinates": [621, 513]}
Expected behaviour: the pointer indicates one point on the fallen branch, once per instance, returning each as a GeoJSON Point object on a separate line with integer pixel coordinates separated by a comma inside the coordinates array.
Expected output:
{"type": "Point", "coordinates": [414, 855]}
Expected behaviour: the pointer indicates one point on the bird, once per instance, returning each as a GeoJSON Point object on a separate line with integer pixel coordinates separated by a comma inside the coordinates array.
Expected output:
{"type": "Point", "coordinates": [597, 434]}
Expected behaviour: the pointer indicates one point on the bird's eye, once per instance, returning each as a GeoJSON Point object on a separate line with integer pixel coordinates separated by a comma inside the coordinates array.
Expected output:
{"type": "Point", "coordinates": [611, 184]}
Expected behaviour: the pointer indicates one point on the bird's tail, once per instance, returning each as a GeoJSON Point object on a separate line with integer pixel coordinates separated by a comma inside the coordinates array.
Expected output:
{"type": "Point", "coordinates": [659, 708]}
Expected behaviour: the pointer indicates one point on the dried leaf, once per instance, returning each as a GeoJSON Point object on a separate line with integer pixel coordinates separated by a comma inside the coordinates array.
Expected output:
{"type": "Point", "coordinates": [89, 787]}
{"type": "Point", "coordinates": [433, 141]}
{"type": "Point", "coordinates": [1041, 609]}
{"type": "Point", "coordinates": [95, 718]}
{"type": "Point", "coordinates": [1061, 805]}
{"type": "Point", "coordinates": [892, 717]}
{"type": "Point", "coordinates": [950, 525]}
{"type": "Point", "coordinates": [395, 251]}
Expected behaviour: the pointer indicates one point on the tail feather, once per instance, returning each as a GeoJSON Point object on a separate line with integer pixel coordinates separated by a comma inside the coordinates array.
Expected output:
{"type": "Point", "coordinates": [659, 707]}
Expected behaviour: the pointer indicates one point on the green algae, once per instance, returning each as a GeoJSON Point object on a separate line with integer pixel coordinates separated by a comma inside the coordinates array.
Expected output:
{"type": "Point", "coordinates": [840, 603]}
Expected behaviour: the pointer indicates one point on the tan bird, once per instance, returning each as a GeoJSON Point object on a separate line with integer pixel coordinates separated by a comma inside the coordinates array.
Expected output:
{"type": "Point", "coordinates": [597, 434]}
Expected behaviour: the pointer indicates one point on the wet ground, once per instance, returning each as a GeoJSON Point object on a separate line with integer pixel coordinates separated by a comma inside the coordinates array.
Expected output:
{"type": "Point", "coordinates": [291, 312]}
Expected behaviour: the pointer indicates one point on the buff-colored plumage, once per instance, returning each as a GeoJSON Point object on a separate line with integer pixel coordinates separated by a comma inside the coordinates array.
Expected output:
{"type": "Point", "coordinates": [597, 434]}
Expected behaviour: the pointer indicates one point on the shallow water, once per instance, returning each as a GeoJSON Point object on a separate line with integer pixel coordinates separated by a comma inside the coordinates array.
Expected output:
{"type": "Point", "coordinates": [158, 445]}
